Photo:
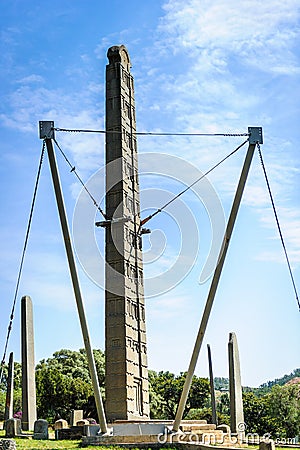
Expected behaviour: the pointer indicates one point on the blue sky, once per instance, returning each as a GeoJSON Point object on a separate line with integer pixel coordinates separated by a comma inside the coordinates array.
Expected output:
{"type": "Point", "coordinates": [199, 66]}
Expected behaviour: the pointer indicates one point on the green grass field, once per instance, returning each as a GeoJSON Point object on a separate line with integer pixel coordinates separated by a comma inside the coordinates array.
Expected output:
{"type": "Point", "coordinates": [52, 444]}
{"type": "Point", "coordinates": [49, 444]}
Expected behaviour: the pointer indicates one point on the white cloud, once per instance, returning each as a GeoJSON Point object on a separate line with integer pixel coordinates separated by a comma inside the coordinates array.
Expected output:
{"type": "Point", "coordinates": [246, 28]}
{"type": "Point", "coordinates": [29, 104]}
{"type": "Point", "coordinates": [33, 78]}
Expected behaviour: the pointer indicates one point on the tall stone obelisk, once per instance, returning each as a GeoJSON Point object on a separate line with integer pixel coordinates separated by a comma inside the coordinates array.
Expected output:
{"type": "Point", "coordinates": [235, 388]}
{"type": "Point", "coordinates": [8, 414]}
{"type": "Point", "coordinates": [28, 365]}
{"type": "Point", "coordinates": [126, 385]}
{"type": "Point", "coordinates": [212, 387]}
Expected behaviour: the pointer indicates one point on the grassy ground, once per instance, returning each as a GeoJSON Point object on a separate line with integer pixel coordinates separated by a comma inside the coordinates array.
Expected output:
{"type": "Point", "coordinates": [52, 444]}
{"type": "Point", "coordinates": [32, 444]}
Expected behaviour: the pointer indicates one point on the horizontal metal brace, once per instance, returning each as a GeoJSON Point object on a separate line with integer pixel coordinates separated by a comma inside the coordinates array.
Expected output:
{"type": "Point", "coordinates": [255, 135]}
{"type": "Point", "coordinates": [106, 223]}
{"type": "Point", "coordinates": [46, 128]}
{"type": "Point", "coordinates": [145, 231]}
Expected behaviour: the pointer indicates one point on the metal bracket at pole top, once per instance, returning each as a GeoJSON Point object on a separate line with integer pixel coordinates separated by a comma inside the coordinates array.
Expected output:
{"type": "Point", "coordinates": [46, 128]}
{"type": "Point", "coordinates": [255, 135]}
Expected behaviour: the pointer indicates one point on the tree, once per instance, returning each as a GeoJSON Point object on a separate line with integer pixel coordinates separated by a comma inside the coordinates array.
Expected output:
{"type": "Point", "coordinates": [284, 406]}
{"type": "Point", "coordinates": [74, 364]}
{"type": "Point", "coordinates": [223, 404]}
{"type": "Point", "coordinates": [63, 383]}
{"type": "Point", "coordinates": [256, 414]}
{"type": "Point", "coordinates": [277, 412]}
{"type": "Point", "coordinates": [165, 392]}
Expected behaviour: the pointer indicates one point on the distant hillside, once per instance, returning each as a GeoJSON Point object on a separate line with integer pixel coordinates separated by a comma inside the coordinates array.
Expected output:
{"type": "Point", "coordinates": [281, 381]}
{"type": "Point", "coordinates": [222, 384]}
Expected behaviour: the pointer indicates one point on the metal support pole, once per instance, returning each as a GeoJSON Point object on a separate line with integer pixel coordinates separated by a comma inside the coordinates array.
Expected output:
{"type": "Point", "coordinates": [75, 282]}
{"type": "Point", "coordinates": [214, 285]}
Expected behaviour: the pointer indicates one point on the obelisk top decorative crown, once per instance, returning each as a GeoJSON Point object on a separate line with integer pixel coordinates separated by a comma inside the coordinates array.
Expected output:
{"type": "Point", "coordinates": [119, 53]}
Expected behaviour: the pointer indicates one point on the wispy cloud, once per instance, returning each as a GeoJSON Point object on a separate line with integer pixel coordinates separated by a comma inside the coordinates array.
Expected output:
{"type": "Point", "coordinates": [249, 29]}
{"type": "Point", "coordinates": [33, 78]}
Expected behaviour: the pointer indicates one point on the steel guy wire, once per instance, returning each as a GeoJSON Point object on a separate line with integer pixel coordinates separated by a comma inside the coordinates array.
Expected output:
{"type": "Point", "coordinates": [148, 133]}
{"type": "Point", "coordinates": [22, 259]}
{"type": "Point", "coordinates": [278, 225]}
{"type": "Point", "coordinates": [73, 169]}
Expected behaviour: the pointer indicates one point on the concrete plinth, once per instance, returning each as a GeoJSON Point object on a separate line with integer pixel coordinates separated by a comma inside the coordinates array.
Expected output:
{"type": "Point", "coordinates": [155, 433]}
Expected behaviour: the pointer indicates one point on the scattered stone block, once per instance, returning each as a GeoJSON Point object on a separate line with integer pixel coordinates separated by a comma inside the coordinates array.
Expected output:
{"type": "Point", "coordinates": [82, 422]}
{"type": "Point", "coordinates": [12, 427]}
{"type": "Point", "coordinates": [72, 433]}
{"type": "Point", "coordinates": [76, 415]}
{"type": "Point", "coordinates": [60, 423]}
{"type": "Point", "coordinates": [40, 430]}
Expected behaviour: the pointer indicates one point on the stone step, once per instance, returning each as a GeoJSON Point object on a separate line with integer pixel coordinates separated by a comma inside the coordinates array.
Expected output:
{"type": "Point", "coordinates": [167, 422]}
{"type": "Point", "coordinates": [185, 421]}
{"type": "Point", "coordinates": [198, 426]}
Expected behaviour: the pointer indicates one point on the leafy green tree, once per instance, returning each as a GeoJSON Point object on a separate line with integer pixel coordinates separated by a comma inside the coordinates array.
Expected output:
{"type": "Point", "coordinates": [256, 414]}
{"type": "Point", "coordinates": [63, 383]}
{"type": "Point", "coordinates": [155, 399]}
{"type": "Point", "coordinates": [74, 364]}
{"type": "Point", "coordinates": [223, 404]}
{"type": "Point", "coordinates": [284, 406]}
{"type": "Point", "coordinates": [165, 392]}
{"type": "Point", "coordinates": [277, 412]}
